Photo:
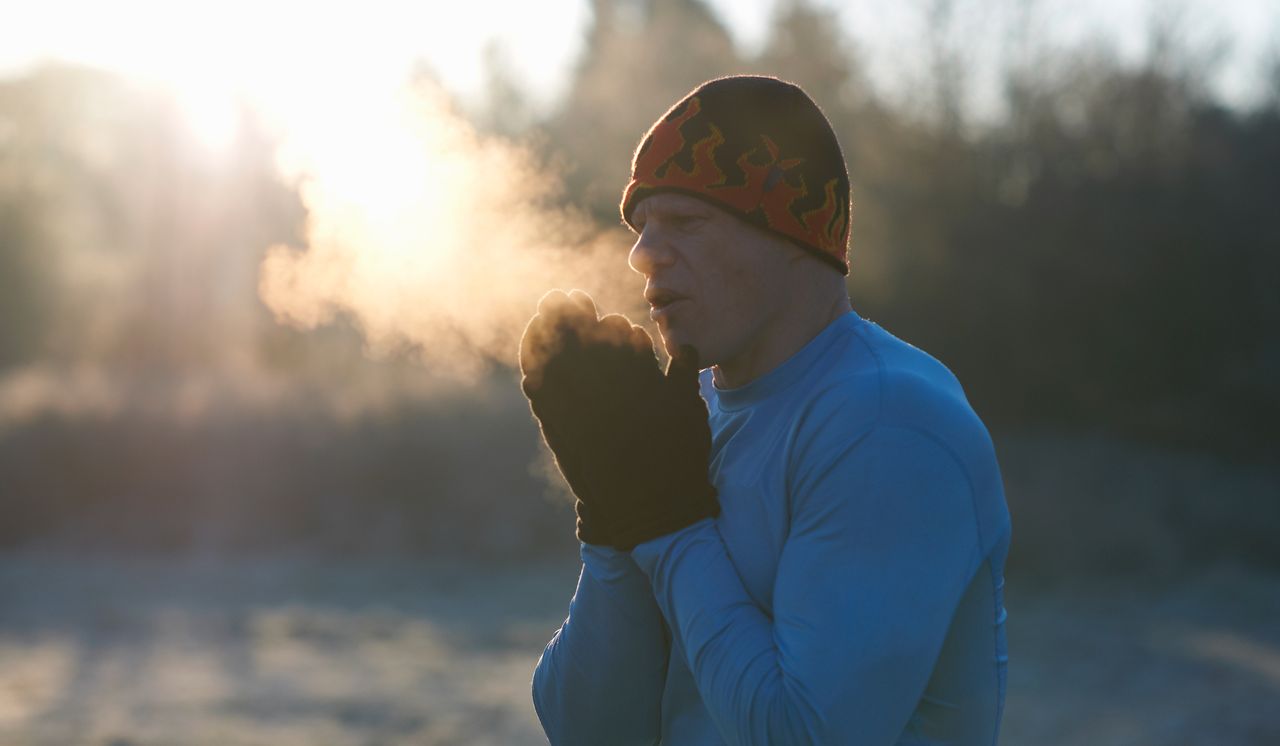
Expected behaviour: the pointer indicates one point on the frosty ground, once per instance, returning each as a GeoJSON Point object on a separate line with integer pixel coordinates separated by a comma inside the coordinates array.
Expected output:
{"type": "Point", "coordinates": [302, 650]}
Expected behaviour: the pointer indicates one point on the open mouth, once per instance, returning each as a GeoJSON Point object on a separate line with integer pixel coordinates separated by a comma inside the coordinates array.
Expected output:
{"type": "Point", "coordinates": [661, 298]}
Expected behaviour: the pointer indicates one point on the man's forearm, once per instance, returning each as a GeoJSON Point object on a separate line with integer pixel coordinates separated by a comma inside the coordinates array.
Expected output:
{"type": "Point", "coordinates": [728, 639]}
{"type": "Point", "coordinates": [601, 677]}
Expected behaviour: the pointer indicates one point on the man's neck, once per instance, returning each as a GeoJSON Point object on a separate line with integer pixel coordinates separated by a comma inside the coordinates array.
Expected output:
{"type": "Point", "coordinates": [778, 342]}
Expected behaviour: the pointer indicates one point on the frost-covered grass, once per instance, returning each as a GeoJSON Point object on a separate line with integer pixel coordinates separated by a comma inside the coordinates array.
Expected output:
{"type": "Point", "coordinates": [312, 651]}
{"type": "Point", "coordinates": [274, 652]}
{"type": "Point", "coordinates": [1194, 660]}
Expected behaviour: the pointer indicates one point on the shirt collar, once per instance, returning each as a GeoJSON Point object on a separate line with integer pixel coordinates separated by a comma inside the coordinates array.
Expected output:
{"type": "Point", "coordinates": [791, 370]}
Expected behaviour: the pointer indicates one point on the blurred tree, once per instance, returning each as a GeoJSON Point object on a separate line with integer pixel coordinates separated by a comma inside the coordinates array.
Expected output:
{"type": "Point", "coordinates": [23, 281]}
{"type": "Point", "coordinates": [56, 212]}
{"type": "Point", "coordinates": [1271, 80]}
{"type": "Point", "coordinates": [640, 56]}
{"type": "Point", "coordinates": [948, 68]}
{"type": "Point", "coordinates": [1113, 229]}
{"type": "Point", "coordinates": [507, 110]}
{"type": "Point", "coordinates": [806, 45]}
{"type": "Point", "coordinates": [125, 242]}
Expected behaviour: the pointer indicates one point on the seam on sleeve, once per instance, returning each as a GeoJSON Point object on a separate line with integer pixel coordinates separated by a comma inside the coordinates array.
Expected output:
{"type": "Point", "coordinates": [968, 478]}
{"type": "Point", "coordinates": [879, 422]}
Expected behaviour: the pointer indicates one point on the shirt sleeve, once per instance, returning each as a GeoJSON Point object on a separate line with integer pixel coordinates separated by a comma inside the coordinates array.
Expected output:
{"type": "Point", "coordinates": [883, 542]}
{"type": "Point", "coordinates": [601, 677]}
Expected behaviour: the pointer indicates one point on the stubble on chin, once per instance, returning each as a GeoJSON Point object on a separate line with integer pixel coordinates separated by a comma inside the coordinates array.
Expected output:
{"type": "Point", "coordinates": [670, 341]}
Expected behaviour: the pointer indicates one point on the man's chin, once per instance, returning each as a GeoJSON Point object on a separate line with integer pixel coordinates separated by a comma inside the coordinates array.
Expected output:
{"type": "Point", "coordinates": [672, 342]}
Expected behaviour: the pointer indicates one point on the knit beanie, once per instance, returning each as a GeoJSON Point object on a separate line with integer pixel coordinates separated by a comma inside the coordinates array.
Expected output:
{"type": "Point", "coordinates": [759, 148]}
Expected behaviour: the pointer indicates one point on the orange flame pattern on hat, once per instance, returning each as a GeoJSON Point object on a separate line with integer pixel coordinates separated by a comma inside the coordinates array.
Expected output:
{"type": "Point", "coordinates": [765, 192]}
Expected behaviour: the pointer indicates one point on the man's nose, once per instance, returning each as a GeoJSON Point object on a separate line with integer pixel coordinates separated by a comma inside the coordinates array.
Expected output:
{"type": "Point", "coordinates": [650, 253]}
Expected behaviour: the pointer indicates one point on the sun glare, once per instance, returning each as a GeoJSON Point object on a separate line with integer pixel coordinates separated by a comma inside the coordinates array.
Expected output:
{"type": "Point", "coordinates": [284, 58]}
{"type": "Point", "coordinates": [418, 228]}
{"type": "Point", "coordinates": [211, 115]}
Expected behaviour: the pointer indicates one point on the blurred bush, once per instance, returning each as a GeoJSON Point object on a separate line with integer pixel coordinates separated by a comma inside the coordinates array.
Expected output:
{"type": "Point", "coordinates": [458, 475]}
{"type": "Point", "coordinates": [1098, 506]}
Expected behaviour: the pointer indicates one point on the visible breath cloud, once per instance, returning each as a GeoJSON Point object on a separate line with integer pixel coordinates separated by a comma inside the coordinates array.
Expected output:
{"type": "Point", "coordinates": [432, 237]}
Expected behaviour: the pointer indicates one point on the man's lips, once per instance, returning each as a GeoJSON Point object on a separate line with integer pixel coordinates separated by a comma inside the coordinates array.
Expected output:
{"type": "Point", "coordinates": [660, 298]}
{"type": "Point", "coordinates": [661, 302]}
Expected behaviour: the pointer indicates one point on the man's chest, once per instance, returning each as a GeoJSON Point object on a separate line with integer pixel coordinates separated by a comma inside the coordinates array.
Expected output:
{"type": "Point", "coordinates": [749, 468]}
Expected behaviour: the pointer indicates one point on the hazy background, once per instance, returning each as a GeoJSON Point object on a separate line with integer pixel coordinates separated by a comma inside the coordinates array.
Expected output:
{"type": "Point", "coordinates": [266, 475]}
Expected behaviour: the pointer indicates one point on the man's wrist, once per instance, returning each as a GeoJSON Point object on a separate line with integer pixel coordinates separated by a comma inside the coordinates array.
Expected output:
{"type": "Point", "coordinates": [613, 567]}
{"type": "Point", "coordinates": [648, 554]}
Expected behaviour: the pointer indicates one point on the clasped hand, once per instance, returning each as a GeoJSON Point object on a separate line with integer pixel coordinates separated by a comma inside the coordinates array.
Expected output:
{"type": "Point", "coordinates": [632, 443]}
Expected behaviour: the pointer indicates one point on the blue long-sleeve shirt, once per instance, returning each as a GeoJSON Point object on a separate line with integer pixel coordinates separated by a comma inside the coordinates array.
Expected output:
{"type": "Point", "coordinates": [850, 592]}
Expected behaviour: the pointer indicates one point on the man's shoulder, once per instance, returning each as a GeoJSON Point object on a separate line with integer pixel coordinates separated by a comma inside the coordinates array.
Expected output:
{"type": "Point", "coordinates": [894, 409]}
{"type": "Point", "coordinates": [879, 380]}
{"type": "Point", "coordinates": [873, 368]}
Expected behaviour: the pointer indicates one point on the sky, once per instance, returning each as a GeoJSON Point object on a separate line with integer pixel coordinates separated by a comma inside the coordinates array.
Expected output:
{"type": "Point", "coordinates": [270, 48]}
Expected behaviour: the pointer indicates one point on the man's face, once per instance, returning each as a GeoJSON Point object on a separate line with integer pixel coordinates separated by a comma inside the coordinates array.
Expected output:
{"type": "Point", "coordinates": [709, 275]}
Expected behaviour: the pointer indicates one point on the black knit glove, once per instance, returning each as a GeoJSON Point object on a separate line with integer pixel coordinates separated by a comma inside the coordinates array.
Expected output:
{"type": "Point", "coordinates": [632, 443]}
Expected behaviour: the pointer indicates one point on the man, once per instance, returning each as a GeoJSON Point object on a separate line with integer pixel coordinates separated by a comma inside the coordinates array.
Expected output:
{"type": "Point", "coordinates": [805, 545]}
